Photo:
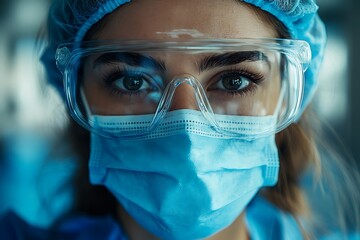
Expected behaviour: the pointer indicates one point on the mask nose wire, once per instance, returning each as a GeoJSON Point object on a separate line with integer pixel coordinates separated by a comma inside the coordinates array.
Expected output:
{"type": "Point", "coordinates": [200, 96]}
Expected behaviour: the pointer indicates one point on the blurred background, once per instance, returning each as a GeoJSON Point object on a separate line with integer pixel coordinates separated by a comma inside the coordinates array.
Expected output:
{"type": "Point", "coordinates": [31, 112]}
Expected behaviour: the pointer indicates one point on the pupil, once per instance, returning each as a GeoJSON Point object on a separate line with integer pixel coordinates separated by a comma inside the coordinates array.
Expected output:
{"type": "Point", "coordinates": [133, 83]}
{"type": "Point", "coordinates": [232, 82]}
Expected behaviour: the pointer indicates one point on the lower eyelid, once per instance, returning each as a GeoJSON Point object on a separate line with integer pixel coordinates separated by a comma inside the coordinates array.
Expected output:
{"type": "Point", "coordinates": [256, 78]}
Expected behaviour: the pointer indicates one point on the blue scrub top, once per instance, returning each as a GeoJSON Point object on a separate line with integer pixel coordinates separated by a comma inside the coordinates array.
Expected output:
{"type": "Point", "coordinates": [77, 228]}
{"type": "Point", "coordinates": [264, 221]}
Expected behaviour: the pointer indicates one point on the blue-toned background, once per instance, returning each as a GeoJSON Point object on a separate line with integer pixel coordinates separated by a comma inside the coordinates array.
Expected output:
{"type": "Point", "coordinates": [31, 114]}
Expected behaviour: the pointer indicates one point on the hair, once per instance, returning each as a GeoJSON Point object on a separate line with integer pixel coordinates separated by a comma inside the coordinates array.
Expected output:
{"type": "Point", "coordinates": [297, 147]}
{"type": "Point", "coordinates": [303, 150]}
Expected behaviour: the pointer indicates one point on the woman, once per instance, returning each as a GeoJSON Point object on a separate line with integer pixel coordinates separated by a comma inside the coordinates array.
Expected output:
{"type": "Point", "coordinates": [193, 109]}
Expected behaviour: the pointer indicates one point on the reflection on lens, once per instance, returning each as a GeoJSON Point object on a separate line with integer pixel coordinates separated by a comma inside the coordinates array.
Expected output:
{"type": "Point", "coordinates": [250, 81]}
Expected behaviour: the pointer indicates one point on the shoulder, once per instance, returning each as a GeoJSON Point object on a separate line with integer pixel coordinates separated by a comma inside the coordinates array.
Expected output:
{"type": "Point", "coordinates": [266, 221]}
{"type": "Point", "coordinates": [13, 227]}
{"type": "Point", "coordinates": [79, 227]}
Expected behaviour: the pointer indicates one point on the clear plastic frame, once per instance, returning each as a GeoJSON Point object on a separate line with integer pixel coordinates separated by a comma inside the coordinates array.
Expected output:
{"type": "Point", "coordinates": [240, 78]}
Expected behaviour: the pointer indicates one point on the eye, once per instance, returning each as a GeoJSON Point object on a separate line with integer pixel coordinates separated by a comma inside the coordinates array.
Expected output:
{"type": "Point", "coordinates": [131, 83]}
{"type": "Point", "coordinates": [232, 81]}
{"type": "Point", "coordinates": [126, 82]}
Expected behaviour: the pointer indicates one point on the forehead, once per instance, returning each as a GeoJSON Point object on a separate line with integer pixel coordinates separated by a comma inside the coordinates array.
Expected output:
{"type": "Point", "coordinates": [150, 19]}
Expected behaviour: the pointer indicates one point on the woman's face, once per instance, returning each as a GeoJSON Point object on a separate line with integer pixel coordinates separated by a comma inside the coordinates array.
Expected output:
{"type": "Point", "coordinates": [158, 19]}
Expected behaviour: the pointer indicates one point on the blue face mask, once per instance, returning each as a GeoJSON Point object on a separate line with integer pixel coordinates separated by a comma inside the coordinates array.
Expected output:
{"type": "Point", "coordinates": [185, 180]}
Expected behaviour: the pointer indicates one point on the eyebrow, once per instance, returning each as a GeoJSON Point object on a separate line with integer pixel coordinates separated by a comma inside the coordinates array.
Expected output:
{"type": "Point", "coordinates": [232, 58]}
{"type": "Point", "coordinates": [130, 58]}
{"type": "Point", "coordinates": [208, 62]}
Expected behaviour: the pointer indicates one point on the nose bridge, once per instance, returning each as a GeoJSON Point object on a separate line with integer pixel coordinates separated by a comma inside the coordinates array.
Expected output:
{"type": "Point", "coordinates": [184, 93]}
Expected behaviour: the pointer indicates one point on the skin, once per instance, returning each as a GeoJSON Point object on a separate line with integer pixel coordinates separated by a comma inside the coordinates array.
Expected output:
{"type": "Point", "coordinates": [142, 19]}
{"type": "Point", "coordinates": [230, 20]}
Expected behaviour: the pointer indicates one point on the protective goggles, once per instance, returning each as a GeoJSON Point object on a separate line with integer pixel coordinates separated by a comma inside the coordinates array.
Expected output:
{"type": "Point", "coordinates": [248, 78]}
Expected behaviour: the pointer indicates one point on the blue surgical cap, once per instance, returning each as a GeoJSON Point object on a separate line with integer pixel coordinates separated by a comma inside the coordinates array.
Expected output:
{"type": "Point", "coordinates": [70, 20]}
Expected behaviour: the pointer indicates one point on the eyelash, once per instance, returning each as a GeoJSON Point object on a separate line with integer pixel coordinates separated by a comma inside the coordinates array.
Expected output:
{"type": "Point", "coordinates": [255, 78]}
{"type": "Point", "coordinates": [108, 80]}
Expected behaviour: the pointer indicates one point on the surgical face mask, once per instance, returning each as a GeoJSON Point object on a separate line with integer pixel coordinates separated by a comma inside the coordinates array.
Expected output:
{"type": "Point", "coordinates": [184, 180]}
